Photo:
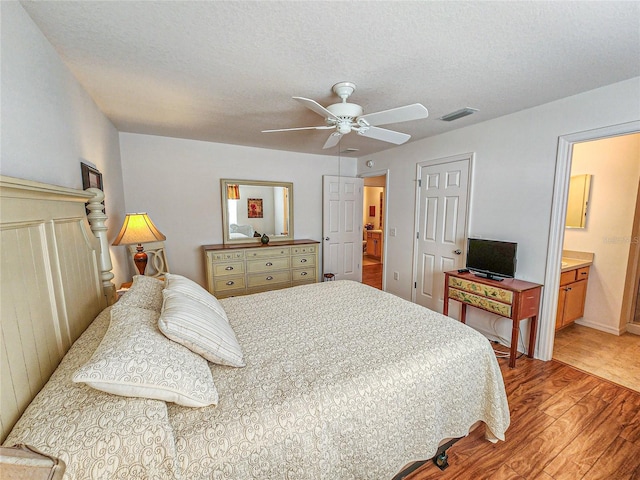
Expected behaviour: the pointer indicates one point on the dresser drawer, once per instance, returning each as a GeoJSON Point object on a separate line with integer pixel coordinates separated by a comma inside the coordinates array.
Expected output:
{"type": "Point", "coordinates": [303, 261]}
{"type": "Point", "coordinates": [268, 252]}
{"type": "Point", "coordinates": [268, 264]}
{"type": "Point", "coordinates": [303, 275]}
{"type": "Point", "coordinates": [304, 249]}
{"type": "Point", "coordinates": [223, 256]}
{"type": "Point", "coordinates": [232, 282]}
{"type": "Point", "coordinates": [227, 268]}
{"type": "Point", "coordinates": [259, 280]}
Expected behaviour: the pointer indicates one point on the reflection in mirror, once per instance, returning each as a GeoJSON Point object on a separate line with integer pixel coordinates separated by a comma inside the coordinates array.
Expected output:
{"type": "Point", "coordinates": [578, 201]}
{"type": "Point", "coordinates": [252, 208]}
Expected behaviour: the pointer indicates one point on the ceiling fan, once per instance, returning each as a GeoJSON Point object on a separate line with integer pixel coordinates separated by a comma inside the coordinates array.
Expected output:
{"type": "Point", "coordinates": [345, 117]}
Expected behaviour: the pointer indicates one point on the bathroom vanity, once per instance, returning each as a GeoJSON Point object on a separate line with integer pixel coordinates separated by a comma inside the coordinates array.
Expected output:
{"type": "Point", "coordinates": [573, 287]}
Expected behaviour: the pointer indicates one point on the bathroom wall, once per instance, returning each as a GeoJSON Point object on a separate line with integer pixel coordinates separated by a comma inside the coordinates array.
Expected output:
{"type": "Point", "coordinates": [614, 164]}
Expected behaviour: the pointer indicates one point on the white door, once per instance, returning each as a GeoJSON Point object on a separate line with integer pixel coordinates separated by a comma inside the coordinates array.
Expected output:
{"type": "Point", "coordinates": [342, 227]}
{"type": "Point", "coordinates": [443, 192]}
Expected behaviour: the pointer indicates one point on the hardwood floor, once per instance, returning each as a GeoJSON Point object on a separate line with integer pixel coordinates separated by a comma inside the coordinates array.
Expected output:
{"type": "Point", "coordinates": [372, 275]}
{"type": "Point", "coordinates": [565, 424]}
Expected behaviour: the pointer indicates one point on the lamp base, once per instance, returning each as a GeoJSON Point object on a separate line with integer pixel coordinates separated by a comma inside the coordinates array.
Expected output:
{"type": "Point", "coordinates": [140, 259]}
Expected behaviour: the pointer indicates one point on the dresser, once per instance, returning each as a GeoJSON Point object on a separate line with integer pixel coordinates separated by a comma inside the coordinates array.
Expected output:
{"type": "Point", "coordinates": [241, 269]}
{"type": "Point", "coordinates": [510, 298]}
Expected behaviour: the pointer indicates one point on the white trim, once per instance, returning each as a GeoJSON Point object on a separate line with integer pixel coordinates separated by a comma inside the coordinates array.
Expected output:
{"type": "Point", "coordinates": [470, 158]}
{"type": "Point", "coordinates": [546, 332]}
{"type": "Point", "coordinates": [385, 230]}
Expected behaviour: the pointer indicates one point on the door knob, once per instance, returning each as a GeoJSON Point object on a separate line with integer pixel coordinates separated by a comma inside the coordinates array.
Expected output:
{"type": "Point", "coordinates": [327, 238]}
{"type": "Point", "coordinates": [457, 252]}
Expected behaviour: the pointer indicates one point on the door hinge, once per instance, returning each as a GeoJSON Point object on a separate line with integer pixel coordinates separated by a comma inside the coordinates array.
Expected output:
{"type": "Point", "coordinates": [417, 235]}
{"type": "Point", "coordinates": [419, 182]}
{"type": "Point", "coordinates": [415, 284]}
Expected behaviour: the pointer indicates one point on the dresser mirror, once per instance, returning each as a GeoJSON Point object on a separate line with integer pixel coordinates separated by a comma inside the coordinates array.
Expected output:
{"type": "Point", "coordinates": [251, 208]}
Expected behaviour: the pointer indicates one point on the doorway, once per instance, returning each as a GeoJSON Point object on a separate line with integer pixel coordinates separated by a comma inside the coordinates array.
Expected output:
{"type": "Point", "coordinates": [557, 230]}
{"type": "Point", "coordinates": [374, 231]}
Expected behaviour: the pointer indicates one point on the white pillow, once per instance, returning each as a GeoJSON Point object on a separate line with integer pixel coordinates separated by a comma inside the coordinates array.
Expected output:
{"type": "Point", "coordinates": [199, 328]}
{"type": "Point", "coordinates": [135, 360]}
{"type": "Point", "coordinates": [181, 284]}
{"type": "Point", "coordinates": [145, 292]}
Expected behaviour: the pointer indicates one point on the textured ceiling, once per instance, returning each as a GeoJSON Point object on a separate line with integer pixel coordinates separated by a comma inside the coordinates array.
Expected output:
{"type": "Point", "coordinates": [222, 71]}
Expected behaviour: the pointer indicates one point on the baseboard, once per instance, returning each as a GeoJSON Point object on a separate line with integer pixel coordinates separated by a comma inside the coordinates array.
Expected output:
{"type": "Point", "coordinates": [633, 328]}
{"type": "Point", "coordinates": [602, 328]}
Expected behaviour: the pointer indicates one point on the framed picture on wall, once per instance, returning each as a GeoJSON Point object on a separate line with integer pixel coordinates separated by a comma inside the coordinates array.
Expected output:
{"type": "Point", "coordinates": [254, 207]}
{"type": "Point", "coordinates": [91, 178]}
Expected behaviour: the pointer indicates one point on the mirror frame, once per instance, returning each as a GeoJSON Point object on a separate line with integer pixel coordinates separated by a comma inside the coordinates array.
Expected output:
{"type": "Point", "coordinates": [224, 182]}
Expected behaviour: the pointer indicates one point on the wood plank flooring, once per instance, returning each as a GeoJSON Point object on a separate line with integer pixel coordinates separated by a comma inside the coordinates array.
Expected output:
{"type": "Point", "coordinates": [565, 424]}
{"type": "Point", "coordinates": [372, 275]}
{"type": "Point", "coordinates": [616, 358]}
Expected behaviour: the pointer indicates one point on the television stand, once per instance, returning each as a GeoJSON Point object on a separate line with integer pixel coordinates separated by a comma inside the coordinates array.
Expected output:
{"type": "Point", "coordinates": [509, 298]}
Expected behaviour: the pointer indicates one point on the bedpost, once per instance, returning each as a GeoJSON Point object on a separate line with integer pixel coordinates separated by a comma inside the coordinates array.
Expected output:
{"type": "Point", "coordinates": [97, 218]}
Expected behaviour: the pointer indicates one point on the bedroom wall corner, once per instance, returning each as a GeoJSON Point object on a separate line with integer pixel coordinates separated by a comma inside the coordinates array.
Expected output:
{"type": "Point", "coordinates": [50, 123]}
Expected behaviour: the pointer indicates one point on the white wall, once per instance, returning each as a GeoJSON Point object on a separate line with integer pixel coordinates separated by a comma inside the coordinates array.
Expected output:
{"type": "Point", "coordinates": [177, 182]}
{"type": "Point", "coordinates": [512, 180]}
{"type": "Point", "coordinates": [614, 164]}
{"type": "Point", "coordinates": [49, 122]}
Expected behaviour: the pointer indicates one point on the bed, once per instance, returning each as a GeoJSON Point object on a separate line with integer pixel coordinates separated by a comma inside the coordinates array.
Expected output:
{"type": "Point", "coordinates": [335, 380]}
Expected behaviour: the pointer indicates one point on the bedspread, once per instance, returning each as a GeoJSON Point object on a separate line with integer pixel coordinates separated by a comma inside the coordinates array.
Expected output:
{"type": "Point", "coordinates": [342, 381]}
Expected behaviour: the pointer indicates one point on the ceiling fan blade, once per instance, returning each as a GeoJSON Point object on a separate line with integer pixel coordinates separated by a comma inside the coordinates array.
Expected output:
{"type": "Point", "coordinates": [384, 135]}
{"type": "Point", "coordinates": [316, 107]}
{"type": "Point", "coordinates": [321, 127]}
{"type": "Point", "coordinates": [333, 140]}
{"type": "Point", "coordinates": [396, 115]}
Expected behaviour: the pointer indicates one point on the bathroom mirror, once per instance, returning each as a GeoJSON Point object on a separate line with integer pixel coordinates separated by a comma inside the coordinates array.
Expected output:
{"type": "Point", "coordinates": [251, 208]}
{"type": "Point", "coordinates": [578, 201]}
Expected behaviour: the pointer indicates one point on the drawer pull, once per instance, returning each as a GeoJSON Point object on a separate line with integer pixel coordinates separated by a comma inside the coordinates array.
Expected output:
{"type": "Point", "coordinates": [269, 264]}
{"type": "Point", "coordinates": [229, 268]}
{"type": "Point", "coordinates": [302, 274]}
{"type": "Point", "coordinates": [269, 277]}
{"type": "Point", "coordinates": [303, 260]}
{"type": "Point", "coordinates": [230, 282]}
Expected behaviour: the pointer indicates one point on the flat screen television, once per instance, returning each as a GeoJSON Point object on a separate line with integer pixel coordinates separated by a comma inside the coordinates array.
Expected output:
{"type": "Point", "coordinates": [491, 258]}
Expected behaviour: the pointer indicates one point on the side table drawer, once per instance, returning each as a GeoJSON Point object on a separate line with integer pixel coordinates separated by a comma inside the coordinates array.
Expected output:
{"type": "Point", "coordinates": [488, 291]}
{"type": "Point", "coordinates": [484, 303]}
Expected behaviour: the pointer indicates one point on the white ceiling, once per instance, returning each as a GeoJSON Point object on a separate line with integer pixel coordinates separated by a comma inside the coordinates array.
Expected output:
{"type": "Point", "coordinates": [222, 71]}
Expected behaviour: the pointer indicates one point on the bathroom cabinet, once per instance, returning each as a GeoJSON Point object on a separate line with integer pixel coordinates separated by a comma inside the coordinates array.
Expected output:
{"type": "Point", "coordinates": [572, 295]}
{"type": "Point", "coordinates": [374, 243]}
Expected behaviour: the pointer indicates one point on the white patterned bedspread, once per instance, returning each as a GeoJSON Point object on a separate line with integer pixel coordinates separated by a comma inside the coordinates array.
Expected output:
{"type": "Point", "coordinates": [342, 381]}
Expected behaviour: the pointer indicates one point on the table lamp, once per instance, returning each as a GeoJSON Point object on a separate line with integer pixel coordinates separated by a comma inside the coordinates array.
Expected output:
{"type": "Point", "coordinates": [138, 228]}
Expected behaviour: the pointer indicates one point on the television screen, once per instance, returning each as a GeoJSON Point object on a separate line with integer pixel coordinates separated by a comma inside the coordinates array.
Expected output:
{"type": "Point", "coordinates": [491, 258]}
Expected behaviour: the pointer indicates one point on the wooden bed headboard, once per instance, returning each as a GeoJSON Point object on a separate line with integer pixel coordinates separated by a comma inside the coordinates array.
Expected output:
{"type": "Point", "coordinates": [54, 279]}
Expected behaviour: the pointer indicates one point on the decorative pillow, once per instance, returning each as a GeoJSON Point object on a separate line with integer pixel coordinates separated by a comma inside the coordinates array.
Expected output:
{"type": "Point", "coordinates": [181, 284]}
{"type": "Point", "coordinates": [135, 360]}
{"type": "Point", "coordinates": [199, 328]}
{"type": "Point", "coordinates": [145, 292]}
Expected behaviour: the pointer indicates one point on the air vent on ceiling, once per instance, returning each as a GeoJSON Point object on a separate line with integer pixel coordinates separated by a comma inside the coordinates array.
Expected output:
{"type": "Point", "coordinates": [449, 117]}
{"type": "Point", "coordinates": [349, 150]}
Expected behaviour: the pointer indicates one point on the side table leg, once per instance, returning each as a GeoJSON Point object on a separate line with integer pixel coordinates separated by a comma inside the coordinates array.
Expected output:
{"type": "Point", "coordinates": [533, 331]}
{"type": "Point", "coordinates": [514, 344]}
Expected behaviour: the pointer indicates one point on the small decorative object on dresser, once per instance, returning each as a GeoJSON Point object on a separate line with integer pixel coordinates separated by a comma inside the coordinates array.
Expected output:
{"type": "Point", "coordinates": [252, 267]}
{"type": "Point", "coordinates": [264, 239]}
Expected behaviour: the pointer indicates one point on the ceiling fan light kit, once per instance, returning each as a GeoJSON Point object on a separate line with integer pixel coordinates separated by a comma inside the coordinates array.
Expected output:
{"type": "Point", "coordinates": [346, 117]}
